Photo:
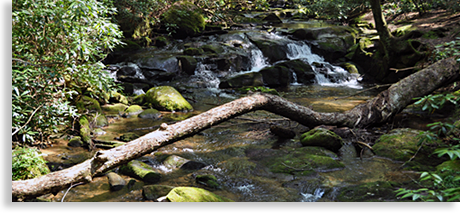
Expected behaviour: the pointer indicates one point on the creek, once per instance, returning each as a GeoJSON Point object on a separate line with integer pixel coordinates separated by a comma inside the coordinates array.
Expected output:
{"type": "Point", "coordinates": [235, 151]}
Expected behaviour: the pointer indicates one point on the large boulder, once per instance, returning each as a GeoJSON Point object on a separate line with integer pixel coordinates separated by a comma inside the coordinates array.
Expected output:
{"type": "Point", "coordinates": [167, 98]}
{"type": "Point", "coordinates": [304, 72]}
{"type": "Point", "coordinates": [186, 17]}
{"type": "Point", "coordinates": [242, 80]}
{"type": "Point", "coordinates": [193, 194]}
{"type": "Point", "coordinates": [141, 171]}
{"type": "Point", "coordinates": [274, 50]}
{"type": "Point", "coordinates": [276, 76]}
{"type": "Point", "coordinates": [323, 138]}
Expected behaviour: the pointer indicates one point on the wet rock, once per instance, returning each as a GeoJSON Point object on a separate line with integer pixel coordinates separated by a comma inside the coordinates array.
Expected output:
{"type": "Point", "coordinates": [303, 71]}
{"type": "Point", "coordinates": [153, 192]}
{"type": "Point", "coordinates": [150, 114]}
{"type": "Point", "coordinates": [193, 51]}
{"type": "Point", "coordinates": [176, 162]}
{"type": "Point", "coordinates": [304, 161]}
{"type": "Point", "coordinates": [208, 180]}
{"type": "Point", "coordinates": [276, 76]}
{"type": "Point", "coordinates": [242, 80]}
{"type": "Point", "coordinates": [188, 64]}
{"type": "Point", "coordinates": [140, 170]}
{"type": "Point", "coordinates": [193, 194]}
{"type": "Point", "coordinates": [116, 182]}
{"type": "Point", "coordinates": [116, 97]}
{"type": "Point", "coordinates": [402, 144]}
{"type": "Point", "coordinates": [274, 50]}
{"type": "Point", "coordinates": [167, 98]}
{"type": "Point", "coordinates": [376, 191]}
{"type": "Point", "coordinates": [323, 138]}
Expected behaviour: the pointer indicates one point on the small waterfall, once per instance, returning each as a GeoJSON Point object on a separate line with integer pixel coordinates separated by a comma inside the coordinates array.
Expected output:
{"type": "Point", "coordinates": [258, 61]}
{"type": "Point", "coordinates": [205, 76]}
{"type": "Point", "coordinates": [307, 197]}
{"type": "Point", "coordinates": [326, 74]}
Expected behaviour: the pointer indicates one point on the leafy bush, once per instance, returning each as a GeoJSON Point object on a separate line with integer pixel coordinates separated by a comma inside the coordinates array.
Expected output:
{"type": "Point", "coordinates": [57, 47]}
{"type": "Point", "coordinates": [448, 49]}
{"type": "Point", "coordinates": [28, 164]}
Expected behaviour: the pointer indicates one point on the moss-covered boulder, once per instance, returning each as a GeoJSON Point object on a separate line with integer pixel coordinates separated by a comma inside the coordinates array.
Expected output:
{"type": "Point", "coordinates": [304, 72]}
{"type": "Point", "coordinates": [85, 131]}
{"type": "Point", "coordinates": [75, 142]}
{"type": "Point", "coordinates": [276, 76]}
{"type": "Point", "coordinates": [243, 80]}
{"type": "Point", "coordinates": [304, 161]}
{"type": "Point", "coordinates": [141, 171]}
{"type": "Point", "coordinates": [133, 111]}
{"type": "Point", "coordinates": [138, 100]}
{"type": "Point", "coordinates": [323, 138]}
{"type": "Point", "coordinates": [100, 120]}
{"type": "Point", "coordinates": [186, 18]}
{"type": "Point", "coordinates": [116, 97]}
{"type": "Point", "coordinates": [87, 104]}
{"type": "Point", "coordinates": [193, 194]}
{"type": "Point", "coordinates": [126, 137]}
{"type": "Point", "coordinates": [402, 144]}
{"type": "Point", "coordinates": [167, 98]}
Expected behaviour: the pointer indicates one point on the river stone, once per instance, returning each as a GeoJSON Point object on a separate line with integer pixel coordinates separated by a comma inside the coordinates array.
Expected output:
{"type": "Point", "coordinates": [75, 142]}
{"type": "Point", "coordinates": [323, 138]}
{"type": "Point", "coordinates": [176, 162]}
{"type": "Point", "coordinates": [368, 192]}
{"type": "Point", "coordinates": [127, 137]}
{"type": "Point", "coordinates": [116, 182]}
{"type": "Point", "coordinates": [116, 97]}
{"type": "Point", "coordinates": [276, 76]}
{"type": "Point", "coordinates": [193, 194]}
{"type": "Point", "coordinates": [101, 120]}
{"type": "Point", "coordinates": [85, 131]}
{"type": "Point", "coordinates": [150, 114]}
{"type": "Point", "coordinates": [188, 64]}
{"type": "Point", "coordinates": [272, 18]}
{"type": "Point", "coordinates": [87, 104]}
{"type": "Point", "coordinates": [274, 50]}
{"type": "Point", "coordinates": [153, 192]}
{"type": "Point", "coordinates": [167, 98]}
{"type": "Point", "coordinates": [242, 80]}
{"type": "Point", "coordinates": [114, 109]}
{"type": "Point", "coordinates": [140, 170]}
{"type": "Point", "coordinates": [304, 72]}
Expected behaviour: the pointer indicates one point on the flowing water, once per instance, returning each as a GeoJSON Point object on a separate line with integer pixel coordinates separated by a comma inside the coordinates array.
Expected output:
{"type": "Point", "coordinates": [232, 150]}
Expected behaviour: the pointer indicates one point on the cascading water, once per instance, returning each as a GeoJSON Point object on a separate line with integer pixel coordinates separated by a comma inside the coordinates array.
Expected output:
{"type": "Point", "coordinates": [205, 76]}
{"type": "Point", "coordinates": [326, 74]}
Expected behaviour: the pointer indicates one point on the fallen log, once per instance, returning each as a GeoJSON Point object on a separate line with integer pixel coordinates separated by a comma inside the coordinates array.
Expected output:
{"type": "Point", "coordinates": [377, 110]}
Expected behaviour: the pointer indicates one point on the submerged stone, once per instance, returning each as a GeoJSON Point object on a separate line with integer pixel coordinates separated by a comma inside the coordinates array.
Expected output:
{"type": "Point", "coordinates": [150, 113]}
{"type": "Point", "coordinates": [208, 180]}
{"type": "Point", "coordinates": [193, 194]}
{"type": "Point", "coordinates": [116, 182]}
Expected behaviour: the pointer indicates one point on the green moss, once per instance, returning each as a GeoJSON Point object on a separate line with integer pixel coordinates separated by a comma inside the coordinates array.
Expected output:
{"type": "Point", "coordinates": [186, 16]}
{"type": "Point", "coordinates": [302, 161]}
{"type": "Point", "coordinates": [193, 194]}
{"type": "Point", "coordinates": [127, 137]}
{"type": "Point", "coordinates": [101, 120]}
{"type": "Point", "coordinates": [150, 113]}
{"type": "Point", "coordinates": [28, 163]}
{"type": "Point", "coordinates": [322, 137]}
{"type": "Point", "coordinates": [167, 98]}
{"type": "Point", "coordinates": [118, 98]}
{"type": "Point", "coordinates": [208, 180]}
{"type": "Point", "coordinates": [351, 68]}
{"type": "Point", "coordinates": [153, 192]}
{"type": "Point", "coordinates": [193, 51]}
{"type": "Point", "coordinates": [139, 99]}
{"type": "Point", "coordinates": [403, 30]}
{"type": "Point", "coordinates": [140, 170]}
{"type": "Point", "coordinates": [85, 130]}
{"type": "Point", "coordinates": [115, 109]}
{"type": "Point", "coordinates": [133, 111]}
{"type": "Point", "coordinates": [87, 104]}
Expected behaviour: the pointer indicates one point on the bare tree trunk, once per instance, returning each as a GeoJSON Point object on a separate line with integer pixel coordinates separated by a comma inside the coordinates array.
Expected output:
{"type": "Point", "coordinates": [377, 110]}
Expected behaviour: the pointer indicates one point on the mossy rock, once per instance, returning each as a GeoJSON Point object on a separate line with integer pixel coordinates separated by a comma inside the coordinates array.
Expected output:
{"type": "Point", "coordinates": [262, 89]}
{"type": "Point", "coordinates": [323, 138]}
{"type": "Point", "coordinates": [127, 137]}
{"type": "Point", "coordinates": [193, 194]}
{"type": "Point", "coordinates": [118, 98]}
{"type": "Point", "coordinates": [101, 120]}
{"type": "Point", "coordinates": [114, 109]}
{"type": "Point", "coordinates": [140, 170]}
{"type": "Point", "coordinates": [87, 104]}
{"type": "Point", "coordinates": [193, 51]}
{"type": "Point", "coordinates": [276, 76]}
{"type": "Point", "coordinates": [350, 67]}
{"type": "Point", "coordinates": [85, 130]}
{"type": "Point", "coordinates": [133, 111]}
{"type": "Point", "coordinates": [139, 99]}
{"type": "Point", "coordinates": [188, 64]}
{"type": "Point", "coordinates": [369, 192]}
{"type": "Point", "coordinates": [243, 80]}
{"type": "Point", "coordinates": [213, 48]}
{"type": "Point", "coordinates": [167, 98]}
{"type": "Point", "coordinates": [304, 161]}
{"type": "Point", "coordinates": [187, 18]}
{"type": "Point", "coordinates": [402, 144]}
{"type": "Point", "coordinates": [453, 165]}
{"type": "Point", "coordinates": [75, 142]}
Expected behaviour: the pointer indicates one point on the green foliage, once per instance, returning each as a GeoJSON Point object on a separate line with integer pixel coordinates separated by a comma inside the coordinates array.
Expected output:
{"type": "Point", "coordinates": [421, 6]}
{"type": "Point", "coordinates": [28, 164]}
{"type": "Point", "coordinates": [331, 9]}
{"type": "Point", "coordinates": [184, 17]}
{"type": "Point", "coordinates": [448, 49]}
{"type": "Point", "coordinates": [434, 102]}
{"type": "Point", "coordinates": [57, 47]}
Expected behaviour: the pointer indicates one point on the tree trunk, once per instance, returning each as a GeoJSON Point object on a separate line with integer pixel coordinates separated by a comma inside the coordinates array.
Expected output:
{"type": "Point", "coordinates": [384, 32]}
{"type": "Point", "coordinates": [377, 110]}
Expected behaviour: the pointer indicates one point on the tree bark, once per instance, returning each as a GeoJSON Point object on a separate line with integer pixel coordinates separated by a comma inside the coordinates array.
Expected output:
{"type": "Point", "coordinates": [377, 110]}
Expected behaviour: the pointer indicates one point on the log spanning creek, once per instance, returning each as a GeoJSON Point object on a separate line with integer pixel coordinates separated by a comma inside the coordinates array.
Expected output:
{"type": "Point", "coordinates": [250, 162]}
{"type": "Point", "coordinates": [249, 159]}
